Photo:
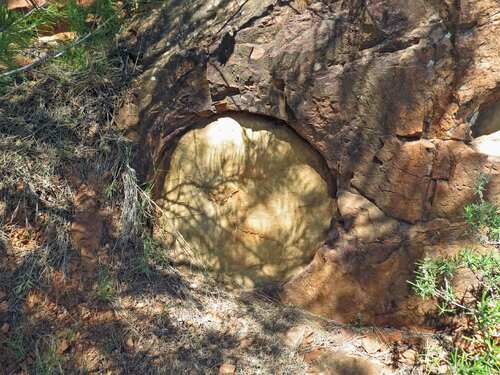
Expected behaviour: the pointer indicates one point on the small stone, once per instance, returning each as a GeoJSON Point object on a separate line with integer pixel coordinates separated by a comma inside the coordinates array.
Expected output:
{"type": "Point", "coordinates": [5, 328]}
{"type": "Point", "coordinates": [130, 343]}
{"type": "Point", "coordinates": [409, 356]}
{"type": "Point", "coordinates": [371, 345]}
{"type": "Point", "coordinates": [443, 369]}
{"type": "Point", "coordinates": [313, 355]}
{"type": "Point", "coordinates": [245, 343]}
{"type": "Point", "coordinates": [227, 369]}
{"type": "Point", "coordinates": [341, 363]}
{"type": "Point", "coordinates": [257, 53]}
{"type": "Point", "coordinates": [295, 336]}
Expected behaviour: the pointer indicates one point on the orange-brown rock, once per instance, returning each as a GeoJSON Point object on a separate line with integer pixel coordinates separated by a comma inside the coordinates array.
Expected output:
{"type": "Point", "coordinates": [388, 92]}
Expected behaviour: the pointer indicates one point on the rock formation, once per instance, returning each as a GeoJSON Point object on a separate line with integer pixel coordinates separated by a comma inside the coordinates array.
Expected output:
{"type": "Point", "coordinates": [388, 92]}
{"type": "Point", "coordinates": [249, 196]}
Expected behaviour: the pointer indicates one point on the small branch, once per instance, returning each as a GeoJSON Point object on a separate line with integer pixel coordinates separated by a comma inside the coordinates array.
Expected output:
{"type": "Point", "coordinates": [44, 59]}
{"type": "Point", "coordinates": [24, 16]}
{"type": "Point", "coordinates": [231, 17]}
{"type": "Point", "coordinates": [454, 303]}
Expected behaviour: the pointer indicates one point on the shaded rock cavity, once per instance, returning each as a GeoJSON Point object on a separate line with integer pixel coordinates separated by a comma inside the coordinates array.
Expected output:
{"type": "Point", "coordinates": [249, 196]}
{"type": "Point", "coordinates": [487, 122]}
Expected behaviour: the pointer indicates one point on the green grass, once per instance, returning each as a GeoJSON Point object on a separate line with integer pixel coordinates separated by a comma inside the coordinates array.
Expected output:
{"type": "Point", "coordinates": [17, 343]}
{"type": "Point", "coordinates": [153, 256]}
{"type": "Point", "coordinates": [434, 279]}
{"type": "Point", "coordinates": [47, 359]}
{"type": "Point", "coordinates": [95, 27]}
{"type": "Point", "coordinates": [482, 216]}
{"type": "Point", "coordinates": [105, 291]}
{"type": "Point", "coordinates": [18, 30]}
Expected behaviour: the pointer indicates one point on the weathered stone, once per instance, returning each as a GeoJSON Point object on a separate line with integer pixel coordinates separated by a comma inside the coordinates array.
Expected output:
{"type": "Point", "coordinates": [487, 122]}
{"type": "Point", "coordinates": [488, 144]}
{"type": "Point", "coordinates": [386, 91]}
{"type": "Point", "coordinates": [456, 187]}
{"type": "Point", "coordinates": [249, 196]}
{"type": "Point", "coordinates": [398, 178]}
{"type": "Point", "coordinates": [367, 221]}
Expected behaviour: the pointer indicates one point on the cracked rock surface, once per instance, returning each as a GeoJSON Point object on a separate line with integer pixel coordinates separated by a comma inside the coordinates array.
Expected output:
{"type": "Point", "coordinates": [386, 91]}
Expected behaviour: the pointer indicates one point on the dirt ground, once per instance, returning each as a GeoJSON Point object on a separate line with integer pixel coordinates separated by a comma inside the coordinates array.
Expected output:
{"type": "Point", "coordinates": [175, 320]}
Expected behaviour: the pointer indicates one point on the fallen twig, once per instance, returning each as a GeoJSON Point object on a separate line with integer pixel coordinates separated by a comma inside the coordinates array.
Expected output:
{"type": "Point", "coordinates": [47, 57]}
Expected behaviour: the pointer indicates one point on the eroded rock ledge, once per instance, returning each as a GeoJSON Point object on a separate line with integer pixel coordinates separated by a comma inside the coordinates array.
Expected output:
{"type": "Point", "coordinates": [386, 91]}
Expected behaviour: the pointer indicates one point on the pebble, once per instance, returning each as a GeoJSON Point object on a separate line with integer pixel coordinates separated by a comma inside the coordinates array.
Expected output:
{"type": "Point", "coordinates": [227, 369]}
{"type": "Point", "coordinates": [370, 345]}
{"type": "Point", "coordinates": [130, 343]}
{"type": "Point", "coordinates": [409, 356]}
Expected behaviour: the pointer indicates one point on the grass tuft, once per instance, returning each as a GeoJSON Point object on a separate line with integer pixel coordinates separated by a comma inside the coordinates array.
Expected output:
{"type": "Point", "coordinates": [482, 216]}
{"type": "Point", "coordinates": [105, 290]}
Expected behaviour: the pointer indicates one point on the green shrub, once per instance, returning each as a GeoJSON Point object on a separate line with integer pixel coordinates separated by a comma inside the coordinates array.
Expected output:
{"type": "Point", "coordinates": [481, 311]}
{"type": "Point", "coordinates": [153, 256]}
{"type": "Point", "coordinates": [105, 289]}
{"type": "Point", "coordinates": [481, 308]}
{"type": "Point", "coordinates": [483, 217]}
{"type": "Point", "coordinates": [17, 30]}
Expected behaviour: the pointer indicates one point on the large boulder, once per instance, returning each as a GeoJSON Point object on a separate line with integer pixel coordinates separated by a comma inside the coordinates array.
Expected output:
{"type": "Point", "coordinates": [386, 91]}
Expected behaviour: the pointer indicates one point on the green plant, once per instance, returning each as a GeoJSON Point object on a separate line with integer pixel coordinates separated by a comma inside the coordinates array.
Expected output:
{"type": "Point", "coordinates": [480, 307]}
{"type": "Point", "coordinates": [48, 361]}
{"type": "Point", "coordinates": [95, 26]}
{"type": "Point", "coordinates": [17, 343]}
{"type": "Point", "coordinates": [482, 310]}
{"type": "Point", "coordinates": [101, 19]}
{"type": "Point", "coordinates": [18, 30]}
{"type": "Point", "coordinates": [105, 289]}
{"type": "Point", "coordinates": [152, 255]}
{"type": "Point", "coordinates": [483, 217]}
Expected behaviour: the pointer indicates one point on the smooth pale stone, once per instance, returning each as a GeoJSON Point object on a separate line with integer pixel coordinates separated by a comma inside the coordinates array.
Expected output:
{"type": "Point", "coordinates": [488, 144]}
{"type": "Point", "coordinates": [249, 196]}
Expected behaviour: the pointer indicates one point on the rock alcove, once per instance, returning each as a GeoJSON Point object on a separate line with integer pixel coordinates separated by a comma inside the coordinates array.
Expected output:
{"type": "Point", "coordinates": [487, 121]}
{"type": "Point", "coordinates": [486, 131]}
{"type": "Point", "coordinates": [383, 91]}
{"type": "Point", "coordinates": [250, 197]}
